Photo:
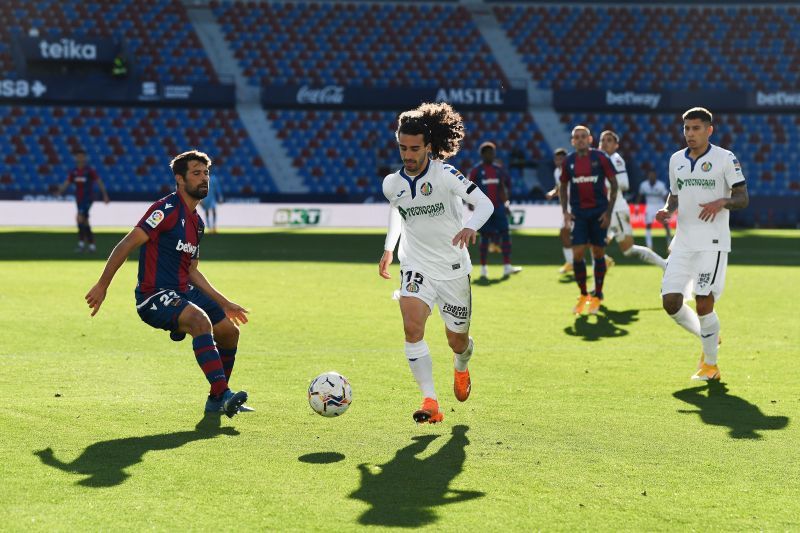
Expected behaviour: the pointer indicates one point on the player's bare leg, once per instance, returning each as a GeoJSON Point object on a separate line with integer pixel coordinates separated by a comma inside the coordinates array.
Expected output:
{"type": "Point", "coordinates": [462, 346]}
{"type": "Point", "coordinates": [415, 313]}
{"type": "Point", "coordinates": [629, 249]}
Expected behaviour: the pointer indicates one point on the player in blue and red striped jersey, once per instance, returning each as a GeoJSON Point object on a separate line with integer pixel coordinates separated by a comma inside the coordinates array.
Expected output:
{"type": "Point", "coordinates": [583, 190]}
{"type": "Point", "coordinates": [494, 181]}
{"type": "Point", "coordinates": [172, 294]}
{"type": "Point", "coordinates": [84, 177]}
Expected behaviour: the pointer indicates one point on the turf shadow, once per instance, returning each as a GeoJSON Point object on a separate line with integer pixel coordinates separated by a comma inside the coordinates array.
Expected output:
{"type": "Point", "coordinates": [607, 324]}
{"type": "Point", "coordinates": [321, 458]}
{"type": "Point", "coordinates": [718, 408]}
{"type": "Point", "coordinates": [105, 461]}
{"type": "Point", "coordinates": [488, 282]}
{"type": "Point", "coordinates": [405, 491]}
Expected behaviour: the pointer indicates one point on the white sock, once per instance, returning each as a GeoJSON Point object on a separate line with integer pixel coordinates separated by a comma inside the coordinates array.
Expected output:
{"type": "Point", "coordinates": [484, 271]}
{"type": "Point", "coordinates": [709, 336]}
{"type": "Point", "coordinates": [568, 255]}
{"type": "Point", "coordinates": [688, 320]}
{"type": "Point", "coordinates": [648, 237]}
{"type": "Point", "coordinates": [461, 359]}
{"type": "Point", "coordinates": [419, 360]}
{"type": "Point", "coordinates": [647, 255]}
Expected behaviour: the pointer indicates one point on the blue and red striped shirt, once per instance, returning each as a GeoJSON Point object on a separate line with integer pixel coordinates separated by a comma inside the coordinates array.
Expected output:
{"type": "Point", "coordinates": [84, 179]}
{"type": "Point", "coordinates": [493, 180]}
{"type": "Point", "coordinates": [587, 179]}
{"type": "Point", "coordinates": [175, 234]}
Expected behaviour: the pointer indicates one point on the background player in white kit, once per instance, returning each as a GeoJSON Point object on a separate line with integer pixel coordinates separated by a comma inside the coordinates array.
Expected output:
{"type": "Point", "coordinates": [706, 181]}
{"type": "Point", "coordinates": [620, 228]}
{"type": "Point", "coordinates": [566, 240]}
{"type": "Point", "coordinates": [426, 215]}
{"type": "Point", "coordinates": [654, 193]}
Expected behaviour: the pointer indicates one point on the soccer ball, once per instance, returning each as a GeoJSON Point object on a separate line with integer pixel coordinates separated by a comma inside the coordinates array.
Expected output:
{"type": "Point", "coordinates": [330, 394]}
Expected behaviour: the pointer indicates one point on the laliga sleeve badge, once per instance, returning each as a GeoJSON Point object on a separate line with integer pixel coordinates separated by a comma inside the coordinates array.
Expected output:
{"type": "Point", "coordinates": [155, 218]}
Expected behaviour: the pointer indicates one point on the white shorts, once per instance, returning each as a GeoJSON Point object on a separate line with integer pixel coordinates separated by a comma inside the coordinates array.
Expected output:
{"type": "Point", "coordinates": [650, 213]}
{"type": "Point", "coordinates": [705, 270]}
{"type": "Point", "coordinates": [620, 226]}
{"type": "Point", "coordinates": [453, 296]}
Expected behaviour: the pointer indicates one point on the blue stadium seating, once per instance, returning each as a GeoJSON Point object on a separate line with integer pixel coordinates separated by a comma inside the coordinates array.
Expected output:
{"type": "Point", "coordinates": [130, 147]}
{"type": "Point", "coordinates": [766, 145]}
{"type": "Point", "coordinates": [358, 44]}
{"type": "Point", "coordinates": [669, 48]}
{"type": "Point", "coordinates": [349, 152]}
{"type": "Point", "coordinates": [160, 41]}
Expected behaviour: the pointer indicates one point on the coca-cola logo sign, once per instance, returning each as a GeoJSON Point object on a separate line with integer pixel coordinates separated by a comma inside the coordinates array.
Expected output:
{"type": "Point", "coordinates": [330, 94]}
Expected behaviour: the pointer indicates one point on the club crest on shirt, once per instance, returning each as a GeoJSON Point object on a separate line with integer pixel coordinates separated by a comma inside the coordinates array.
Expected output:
{"type": "Point", "coordinates": [426, 188]}
{"type": "Point", "coordinates": [155, 218]}
{"type": "Point", "coordinates": [706, 166]}
{"type": "Point", "coordinates": [412, 287]}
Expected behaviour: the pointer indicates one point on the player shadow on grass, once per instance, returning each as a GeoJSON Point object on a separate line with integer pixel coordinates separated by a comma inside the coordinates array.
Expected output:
{"type": "Point", "coordinates": [405, 491]}
{"type": "Point", "coordinates": [105, 462]}
{"type": "Point", "coordinates": [486, 282]}
{"type": "Point", "coordinates": [718, 408]}
{"type": "Point", "coordinates": [606, 324]}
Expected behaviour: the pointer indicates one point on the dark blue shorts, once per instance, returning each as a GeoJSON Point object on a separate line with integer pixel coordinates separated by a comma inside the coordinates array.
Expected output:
{"type": "Point", "coordinates": [162, 308]}
{"type": "Point", "coordinates": [586, 227]}
{"type": "Point", "coordinates": [497, 223]}
{"type": "Point", "coordinates": [83, 207]}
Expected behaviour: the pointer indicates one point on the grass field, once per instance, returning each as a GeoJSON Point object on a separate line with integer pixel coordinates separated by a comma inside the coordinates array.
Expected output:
{"type": "Point", "coordinates": [587, 423]}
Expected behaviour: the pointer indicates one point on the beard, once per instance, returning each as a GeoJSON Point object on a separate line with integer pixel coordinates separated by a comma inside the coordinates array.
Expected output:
{"type": "Point", "coordinates": [198, 192]}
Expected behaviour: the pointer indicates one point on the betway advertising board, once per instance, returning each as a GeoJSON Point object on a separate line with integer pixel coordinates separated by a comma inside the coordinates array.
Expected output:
{"type": "Point", "coordinates": [346, 97]}
{"type": "Point", "coordinates": [675, 101]}
{"type": "Point", "coordinates": [48, 90]}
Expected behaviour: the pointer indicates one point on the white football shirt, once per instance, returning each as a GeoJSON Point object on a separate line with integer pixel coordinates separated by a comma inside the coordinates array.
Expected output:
{"type": "Point", "coordinates": [710, 177]}
{"type": "Point", "coordinates": [654, 195]}
{"type": "Point", "coordinates": [432, 212]}
{"type": "Point", "coordinates": [623, 183]}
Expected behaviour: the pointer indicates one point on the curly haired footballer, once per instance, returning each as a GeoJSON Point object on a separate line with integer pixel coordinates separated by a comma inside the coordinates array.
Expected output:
{"type": "Point", "coordinates": [440, 125]}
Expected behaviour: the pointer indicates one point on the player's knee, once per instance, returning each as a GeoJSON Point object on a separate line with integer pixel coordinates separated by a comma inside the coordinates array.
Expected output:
{"type": "Point", "coordinates": [672, 303]}
{"type": "Point", "coordinates": [704, 304]}
{"type": "Point", "coordinates": [227, 333]}
{"type": "Point", "coordinates": [414, 332]}
{"type": "Point", "coordinates": [198, 323]}
{"type": "Point", "coordinates": [626, 245]}
{"type": "Point", "coordinates": [458, 343]}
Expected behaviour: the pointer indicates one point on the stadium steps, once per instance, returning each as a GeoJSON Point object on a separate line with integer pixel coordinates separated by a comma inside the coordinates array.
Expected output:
{"type": "Point", "coordinates": [248, 97]}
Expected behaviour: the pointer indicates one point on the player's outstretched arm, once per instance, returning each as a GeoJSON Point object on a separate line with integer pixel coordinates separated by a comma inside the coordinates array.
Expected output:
{"type": "Point", "coordinates": [62, 188]}
{"type": "Point", "coordinates": [119, 255]}
{"type": "Point", "coordinates": [235, 312]}
{"type": "Point", "coordinates": [103, 191]}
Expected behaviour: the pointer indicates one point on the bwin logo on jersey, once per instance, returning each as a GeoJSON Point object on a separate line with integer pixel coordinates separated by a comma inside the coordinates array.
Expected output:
{"type": "Point", "coordinates": [426, 188]}
{"type": "Point", "coordinates": [431, 210]}
{"type": "Point", "coordinates": [186, 247]}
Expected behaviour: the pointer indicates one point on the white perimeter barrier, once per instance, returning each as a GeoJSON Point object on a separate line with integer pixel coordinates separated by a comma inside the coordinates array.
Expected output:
{"type": "Point", "coordinates": [248, 215]}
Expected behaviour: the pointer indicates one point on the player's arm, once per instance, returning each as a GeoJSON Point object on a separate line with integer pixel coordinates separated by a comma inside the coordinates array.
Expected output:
{"type": "Point", "coordinates": [63, 187]}
{"type": "Point", "coordinates": [605, 218]}
{"type": "Point", "coordinates": [134, 239]}
{"type": "Point", "coordinates": [103, 191]}
{"type": "Point", "coordinates": [473, 195]}
{"type": "Point", "coordinates": [392, 235]}
{"type": "Point", "coordinates": [563, 197]}
{"type": "Point", "coordinates": [639, 195]}
{"type": "Point", "coordinates": [235, 312]}
{"type": "Point", "coordinates": [739, 198]}
{"type": "Point", "coordinates": [663, 215]}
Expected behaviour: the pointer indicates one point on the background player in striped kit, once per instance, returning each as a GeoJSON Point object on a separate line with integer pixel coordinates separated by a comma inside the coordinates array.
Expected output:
{"type": "Point", "coordinates": [84, 177]}
{"type": "Point", "coordinates": [706, 183]}
{"type": "Point", "coordinates": [493, 180]}
{"type": "Point", "coordinates": [620, 228]}
{"type": "Point", "coordinates": [172, 294]}
{"type": "Point", "coordinates": [587, 208]}
{"type": "Point", "coordinates": [426, 214]}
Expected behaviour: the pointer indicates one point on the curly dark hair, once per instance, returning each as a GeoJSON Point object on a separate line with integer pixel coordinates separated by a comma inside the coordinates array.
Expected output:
{"type": "Point", "coordinates": [180, 164]}
{"type": "Point", "coordinates": [439, 124]}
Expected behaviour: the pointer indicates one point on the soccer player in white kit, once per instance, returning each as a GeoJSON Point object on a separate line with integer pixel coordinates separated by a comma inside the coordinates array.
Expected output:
{"type": "Point", "coordinates": [654, 193]}
{"type": "Point", "coordinates": [566, 240]}
{"type": "Point", "coordinates": [706, 182]}
{"type": "Point", "coordinates": [620, 228]}
{"type": "Point", "coordinates": [426, 215]}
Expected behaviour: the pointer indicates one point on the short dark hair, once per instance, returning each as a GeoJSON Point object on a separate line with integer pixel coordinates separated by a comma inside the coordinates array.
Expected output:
{"type": "Point", "coordinates": [180, 163]}
{"type": "Point", "coordinates": [699, 113]}
{"type": "Point", "coordinates": [612, 133]}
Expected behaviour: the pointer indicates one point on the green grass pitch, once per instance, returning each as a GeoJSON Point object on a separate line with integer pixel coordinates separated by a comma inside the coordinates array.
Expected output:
{"type": "Point", "coordinates": [573, 424]}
